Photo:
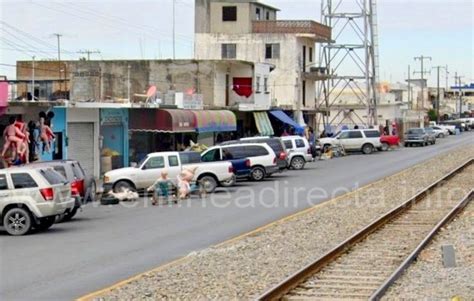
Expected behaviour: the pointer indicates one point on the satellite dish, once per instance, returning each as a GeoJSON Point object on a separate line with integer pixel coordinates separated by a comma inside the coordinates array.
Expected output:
{"type": "Point", "coordinates": [151, 91]}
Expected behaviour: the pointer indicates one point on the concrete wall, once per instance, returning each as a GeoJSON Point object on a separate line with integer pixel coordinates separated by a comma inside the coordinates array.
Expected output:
{"type": "Point", "coordinates": [251, 47]}
{"type": "Point", "coordinates": [242, 25]}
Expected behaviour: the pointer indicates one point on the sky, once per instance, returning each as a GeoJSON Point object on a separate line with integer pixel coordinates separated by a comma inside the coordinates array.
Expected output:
{"type": "Point", "coordinates": [142, 29]}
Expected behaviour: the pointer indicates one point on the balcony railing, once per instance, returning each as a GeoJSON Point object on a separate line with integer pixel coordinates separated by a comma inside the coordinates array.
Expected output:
{"type": "Point", "coordinates": [321, 31]}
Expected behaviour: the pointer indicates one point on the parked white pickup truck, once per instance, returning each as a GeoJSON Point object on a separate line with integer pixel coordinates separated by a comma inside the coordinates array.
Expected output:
{"type": "Point", "coordinates": [145, 173]}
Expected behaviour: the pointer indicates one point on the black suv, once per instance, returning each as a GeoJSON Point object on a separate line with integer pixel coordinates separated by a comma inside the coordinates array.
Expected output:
{"type": "Point", "coordinates": [275, 143]}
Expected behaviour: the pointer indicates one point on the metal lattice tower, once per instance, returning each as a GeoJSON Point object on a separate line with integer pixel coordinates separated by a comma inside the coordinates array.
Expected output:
{"type": "Point", "coordinates": [351, 62]}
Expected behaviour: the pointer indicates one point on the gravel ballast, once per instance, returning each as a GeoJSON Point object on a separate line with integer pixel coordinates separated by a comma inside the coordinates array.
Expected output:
{"type": "Point", "coordinates": [245, 267]}
{"type": "Point", "coordinates": [427, 278]}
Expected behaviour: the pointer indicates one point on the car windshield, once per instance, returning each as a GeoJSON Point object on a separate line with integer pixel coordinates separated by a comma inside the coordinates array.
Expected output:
{"type": "Point", "coordinates": [78, 172]}
{"type": "Point", "coordinates": [415, 131]}
{"type": "Point", "coordinates": [429, 130]}
{"type": "Point", "coordinates": [142, 161]}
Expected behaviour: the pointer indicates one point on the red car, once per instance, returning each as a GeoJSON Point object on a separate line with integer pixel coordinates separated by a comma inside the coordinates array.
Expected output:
{"type": "Point", "coordinates": [388, 141]}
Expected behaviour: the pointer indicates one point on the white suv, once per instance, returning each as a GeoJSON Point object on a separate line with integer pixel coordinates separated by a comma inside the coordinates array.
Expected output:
{"type": "Point", "coordinates": [299, 151]}
{"type": "Point", "coordinates": [263, 161]}
{"type": "Point", "coordinates": [32, 198]}
{"type": "Point", "coordinates": [365, 140]}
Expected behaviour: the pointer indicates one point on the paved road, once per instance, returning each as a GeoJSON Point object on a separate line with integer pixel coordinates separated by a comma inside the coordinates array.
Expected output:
{"type": "Point", "coordinates": [106, 244]}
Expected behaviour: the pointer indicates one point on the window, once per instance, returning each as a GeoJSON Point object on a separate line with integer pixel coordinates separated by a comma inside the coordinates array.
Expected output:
{"type": "Point", "coordinates": [372, 134]}
{"type": "Point", "coordinates": [229, 51]}
{"type": "Point", "coordinates": [60, 170]}
{"type": "Point", "coordinates": [288, 144]}
{"type": "Point", "coordinates": [229, 13]}
{"type": "Point", "coordinates": [190, 157]}
{"type": "Point", "coordinates": [78, 171]}
{"type": "Point", "coordinates": [355, 135]}
{"type": "Point", "coordinates": [237, 152]}
{"type": "Point", "coordinates": [310, 54]}
{"type": "Point", "coordinates": [299, 143]}
{"type": "Point", "coordinates": [52, 176]}
{"type": "Point", "coordinates": [212, 156]}
{"type": "Point", "coordinates": [255, 151]}
{"type": "Point", "coordinates": [155, 162]}
{"type": "Point", "coordinates": [173, 161]}
{"type": "Point", "coordinates": [257, 84]}
{"type": "Point", "coordinates": [265, 84]}
{"type": "Point", "coordinates": [257, 13]}
{"type": "Point", "coordinates": [3, 182]}
{"type": "Point", "coordinates": [272, 51]}
{"type": "Point", "coordinates": [343, 135]}
{"type": "Point", "coordinates": [268, 15]}
{"type": "Point", "coordinates": [23, 180]}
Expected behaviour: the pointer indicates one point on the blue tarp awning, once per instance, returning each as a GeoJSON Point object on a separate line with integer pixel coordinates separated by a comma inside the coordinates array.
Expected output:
{"type": "Point", "coordinates": [287, 119]}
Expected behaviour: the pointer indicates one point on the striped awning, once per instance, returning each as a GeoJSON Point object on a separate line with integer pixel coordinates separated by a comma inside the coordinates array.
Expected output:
{"type": "Point", "coordinates": [263, 123]}
{"type": "Point", "coordinates": [214, 121]}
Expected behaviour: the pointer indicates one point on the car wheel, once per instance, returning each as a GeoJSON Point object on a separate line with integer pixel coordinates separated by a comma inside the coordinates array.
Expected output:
{"type": "Point", "coordinates": [326, 147]}
{"type": "Point", "coordinates": [385, 146]}
{"type": "Point", "coordinates": [91, 197]}
{"type": "Point", "coordinates": [208, 183]}
{"type": "Point", "coordinates": [68, 216]}
{"type": "Point", "coordinates": [123, 185]}
{"type": "Point", "coordinates": [441, 135]}
{"type": "Point", "coordinates": [257, 174]}
{"type": "Point", "coordinates": [45, 223]}
{"type": "Point", "coordinates": [229, 183]}
{"type": "Point", "coordinates": [406, 144]}
{"type": "Point", "coordinates": [297, 163]}
{"type": "Point", "coordinates": [17, 221]}
{"type": "Point", "coordinates": [367, 149]}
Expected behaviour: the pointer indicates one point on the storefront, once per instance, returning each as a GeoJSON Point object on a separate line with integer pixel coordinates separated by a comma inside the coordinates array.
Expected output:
{"type": "Point", "coordinates": [214, 126]}
{"type": "Point", "coordinates": [153, 130]}
{"type": "Point", "coordinates": [114, 137]}
{"type": "Point", "coordinates": [83, 138]}
{"type": "Point", "coordinates": [29, 114]}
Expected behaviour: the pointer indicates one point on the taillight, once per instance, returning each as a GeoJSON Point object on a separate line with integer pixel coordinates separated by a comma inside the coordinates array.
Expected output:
{"type": "Point", "coordinates": [309, 151]}
{"type": "Point", "coordinates": [282, 156]}
{"type": "Point", "coordinates": [77, 187]}
{"type": "Point", "coordinates": [231, 169]}
{"type": "Point", "coordinates": [47, 193]}
{"type": "Point", "coordinates": [247, 163]}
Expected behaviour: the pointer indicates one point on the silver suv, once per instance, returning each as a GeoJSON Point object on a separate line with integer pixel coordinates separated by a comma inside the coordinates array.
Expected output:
{"type": "Point", "coordinates": [32, 198]}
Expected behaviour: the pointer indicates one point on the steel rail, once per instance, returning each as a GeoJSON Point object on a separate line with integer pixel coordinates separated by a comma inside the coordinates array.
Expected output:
{"type": "Point", "coordinates": [289, 283]}
{"type": "Point", "coordinates": [406, 263]}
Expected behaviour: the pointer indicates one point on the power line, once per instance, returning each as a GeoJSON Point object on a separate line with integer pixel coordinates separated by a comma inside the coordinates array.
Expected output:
{"type": "Point", "coordinates": [422, 72]}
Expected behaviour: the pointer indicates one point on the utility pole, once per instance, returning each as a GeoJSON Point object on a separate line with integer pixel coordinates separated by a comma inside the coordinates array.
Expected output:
{"type": "Point", "coordinates": [457, 82]}
{"type": "Point", "coordinates": [422, 72]}
{"type": "Point", "coordinates": [58, 36]}
{"type": "Point", "coordinates": [447, 78]}
{"type": "Point", "coordinates": [438, 93]}
{"type": "Point", "coordinates": [88, 52]}
{"type": "Point", "coordinates": [410, 101]}
{"type": "Point", "coordinates": [174, 29]}
{"type": "Point", "coordinates": [33, 78]}
{"type": "Point", "coordinates": [128, 82]}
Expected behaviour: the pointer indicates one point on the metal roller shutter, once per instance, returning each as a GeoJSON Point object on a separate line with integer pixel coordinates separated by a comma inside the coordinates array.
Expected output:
{"type": "Point", "coordinates": [81, 144]}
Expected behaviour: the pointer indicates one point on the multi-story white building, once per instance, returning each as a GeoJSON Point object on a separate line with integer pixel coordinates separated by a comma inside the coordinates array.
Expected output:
{"type": "Point", "coordinates": [249, 30]}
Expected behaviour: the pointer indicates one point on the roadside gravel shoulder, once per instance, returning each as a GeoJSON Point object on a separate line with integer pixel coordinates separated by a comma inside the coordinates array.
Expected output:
{"type": "Point", "coordinates": [245, 267]}
{"type": "Point", "coordinates": [427, 278]}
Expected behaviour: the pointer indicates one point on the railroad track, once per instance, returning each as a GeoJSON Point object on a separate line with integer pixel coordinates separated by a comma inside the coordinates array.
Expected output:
{"type": "Point", "coordinates": [366, 264]}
